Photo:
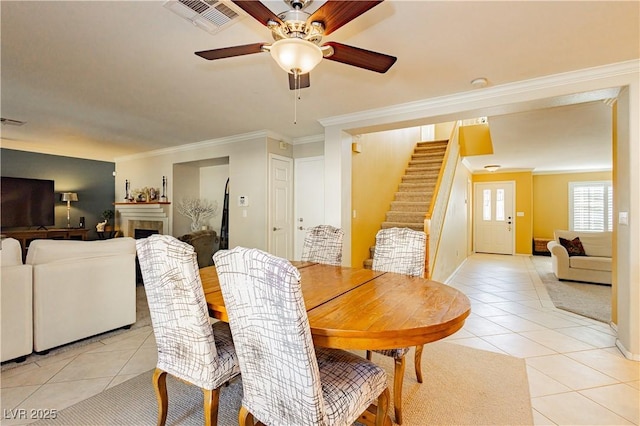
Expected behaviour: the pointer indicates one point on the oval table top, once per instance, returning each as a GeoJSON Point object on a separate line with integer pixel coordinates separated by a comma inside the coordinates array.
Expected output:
{"type": "Point", "coordinates": [352, 308]}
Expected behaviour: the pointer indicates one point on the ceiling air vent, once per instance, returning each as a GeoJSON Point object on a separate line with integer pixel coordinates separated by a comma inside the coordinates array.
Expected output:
{"type": "Point", "coordinates": [210, 15]}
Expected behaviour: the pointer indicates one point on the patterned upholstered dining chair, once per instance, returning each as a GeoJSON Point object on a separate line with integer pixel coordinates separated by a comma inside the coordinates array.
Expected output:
{"type": "Point", "coordinates": [189, 347]}
{"type": "Point", "coordinates": [323, 244]}
{"type": "Point", "coordinates": [400, 250]}
{"type": "Point", "coordinates": [286, 381]}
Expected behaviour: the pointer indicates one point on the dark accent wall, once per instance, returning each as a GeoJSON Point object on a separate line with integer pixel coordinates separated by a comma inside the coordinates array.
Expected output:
{"type": "Point", "coordinates": [92, 180]}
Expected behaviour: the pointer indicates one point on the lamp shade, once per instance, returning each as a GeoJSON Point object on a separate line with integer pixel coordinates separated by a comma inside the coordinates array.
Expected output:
{"type": "Point", "coordinates": [295, 54]}
{"type": "Point", "coordinates": [69, 196]}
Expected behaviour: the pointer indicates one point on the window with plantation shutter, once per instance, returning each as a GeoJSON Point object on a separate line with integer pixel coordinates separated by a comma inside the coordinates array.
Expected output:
{"type": "Point", "coordinates": [591, 206]}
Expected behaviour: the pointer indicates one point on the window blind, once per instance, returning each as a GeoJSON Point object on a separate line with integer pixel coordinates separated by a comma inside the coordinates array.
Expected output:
{"type": "Point", "coordinates": [591, 206]}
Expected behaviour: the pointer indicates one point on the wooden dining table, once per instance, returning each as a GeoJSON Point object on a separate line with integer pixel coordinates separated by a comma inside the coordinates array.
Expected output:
{"type": "Point", "coordinates": [353, 308]}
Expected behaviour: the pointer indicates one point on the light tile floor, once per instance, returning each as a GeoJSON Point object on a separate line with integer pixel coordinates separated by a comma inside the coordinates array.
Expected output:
{"type": "Point", "coordinates": [576, 374]}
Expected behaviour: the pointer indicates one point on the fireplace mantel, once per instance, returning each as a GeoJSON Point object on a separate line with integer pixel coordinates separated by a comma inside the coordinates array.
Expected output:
{"type": "Point", "coordinates": [142, 215]}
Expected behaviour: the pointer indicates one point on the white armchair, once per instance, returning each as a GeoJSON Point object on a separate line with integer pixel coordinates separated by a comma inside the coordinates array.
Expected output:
{"type": "Point", "coordinates": [16, 315]}
{"type": "Point", "coordinates": [81, 288]}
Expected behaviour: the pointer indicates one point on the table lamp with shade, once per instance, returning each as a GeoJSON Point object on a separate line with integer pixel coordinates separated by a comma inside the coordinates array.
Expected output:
{"type": "Point", "coordinates": [69, 197]}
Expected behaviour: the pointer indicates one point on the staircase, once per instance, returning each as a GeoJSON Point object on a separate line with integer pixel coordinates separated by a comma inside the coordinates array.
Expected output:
{"type": "Point", "coordinates": [415, 191]}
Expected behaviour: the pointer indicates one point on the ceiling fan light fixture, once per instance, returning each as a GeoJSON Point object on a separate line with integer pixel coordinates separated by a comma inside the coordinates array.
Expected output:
{"type": "Point", "coordinates": [295, 54]}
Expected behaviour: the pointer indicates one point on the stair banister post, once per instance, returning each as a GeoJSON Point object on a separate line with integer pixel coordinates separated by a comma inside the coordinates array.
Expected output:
{"type": "Point", "coordinates": [427, 231]}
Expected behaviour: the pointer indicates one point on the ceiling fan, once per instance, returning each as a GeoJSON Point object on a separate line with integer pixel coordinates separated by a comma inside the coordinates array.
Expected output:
{"type": "Point", "coordinates": [298, 35]}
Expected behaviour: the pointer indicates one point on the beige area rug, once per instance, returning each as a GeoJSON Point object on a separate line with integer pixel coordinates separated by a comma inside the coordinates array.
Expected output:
{"type": "Point", "coordinates": [462, 386]}
{"type": "Point", "coordinates": [143, 319]}
{"type": "Point", "coordinates": [586, 299]}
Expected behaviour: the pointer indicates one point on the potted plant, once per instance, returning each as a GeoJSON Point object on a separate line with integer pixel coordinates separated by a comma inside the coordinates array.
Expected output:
{"type": "Point", "coordinates": [107, 215]}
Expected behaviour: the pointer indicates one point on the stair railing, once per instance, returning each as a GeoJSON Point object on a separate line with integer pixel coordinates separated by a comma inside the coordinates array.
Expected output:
{"type": "Point", "coordinates": [434, 219]}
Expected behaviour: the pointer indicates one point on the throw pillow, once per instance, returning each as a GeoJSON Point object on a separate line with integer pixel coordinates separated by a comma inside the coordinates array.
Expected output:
{"type": "Point", "coordinates": [574, 247]}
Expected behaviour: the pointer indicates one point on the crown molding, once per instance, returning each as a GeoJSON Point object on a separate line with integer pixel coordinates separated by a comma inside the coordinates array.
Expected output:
{"type": "Point", "coordinates": [308, 139]}
{"type": "Point", "coordinates": [203, 144]}
{"type": "Point", "coordinates": [465, 98]}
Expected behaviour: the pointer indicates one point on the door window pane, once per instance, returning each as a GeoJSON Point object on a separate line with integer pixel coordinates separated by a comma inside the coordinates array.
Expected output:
{"type": "Point", "coordinates": [486, 204]}
{"type": "Point", "coordinates": [500, 205]}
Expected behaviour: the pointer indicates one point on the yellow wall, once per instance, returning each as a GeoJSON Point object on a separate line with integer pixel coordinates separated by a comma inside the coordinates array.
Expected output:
{"type": "Point", "coordinates": [523, 195]}
{"type": "Point", "coordinates": [475, 140]}
{"type": "Point", "coordinates": [614, 251]}
{"type": "Point", "coordinates": [551, 200]}
{"type": "Point", "coordinates": [376, 173]}
{"type": "Point", "coordinates": [442, 131]}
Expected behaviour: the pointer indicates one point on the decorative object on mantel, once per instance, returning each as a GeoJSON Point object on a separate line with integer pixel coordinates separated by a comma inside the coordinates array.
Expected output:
{"type": "Point", "coordinates": [198, 210]}
{"type": "Point", "coordinates": [146, 195]}
{"type": "Point", "coordinates": [127, 191]}
{"type": "Point", "coordinates": [163, 197]}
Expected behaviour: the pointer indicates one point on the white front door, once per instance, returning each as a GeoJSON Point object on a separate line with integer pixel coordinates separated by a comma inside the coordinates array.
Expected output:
{"type": "Point", "coordinates": [494, 218]}
{"type": "Point", "coordinates": [309, 198]}
{"type": "Point", "coordinates": [280, 220]}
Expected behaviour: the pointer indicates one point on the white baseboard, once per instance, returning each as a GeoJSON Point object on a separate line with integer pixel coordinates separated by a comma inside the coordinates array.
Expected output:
{"type": "Point", "coordinates": [627, 354]}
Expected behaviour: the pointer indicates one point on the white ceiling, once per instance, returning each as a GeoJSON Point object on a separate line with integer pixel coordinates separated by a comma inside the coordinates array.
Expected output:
{"type": "Point", "coordinates": [102, 79]}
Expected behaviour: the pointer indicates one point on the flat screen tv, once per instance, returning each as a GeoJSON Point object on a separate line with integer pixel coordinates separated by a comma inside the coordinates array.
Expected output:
{"type": "Point", "coordinates": [26, 202]}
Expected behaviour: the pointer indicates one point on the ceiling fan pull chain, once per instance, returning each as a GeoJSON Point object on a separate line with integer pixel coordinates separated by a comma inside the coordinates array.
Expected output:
{"type": "Point", "coordinates": [296, 94]}
{"type": "Point", "coordinates": [295, 102]}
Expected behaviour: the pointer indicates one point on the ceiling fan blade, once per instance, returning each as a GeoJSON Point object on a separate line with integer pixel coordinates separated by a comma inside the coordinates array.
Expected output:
{"type": "Point", "coordinates": [373, 61]}
{"type": "Point", "coordinates": [335, 13]}
{"type": "Point", "coordinates": [258, 11]}
{"type": "Point", "coordinates": [228, 52]}
{"type": "Point", "coordinates": [304, 81]}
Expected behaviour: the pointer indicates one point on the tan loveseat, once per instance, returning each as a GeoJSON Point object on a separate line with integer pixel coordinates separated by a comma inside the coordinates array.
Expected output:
{"type": "Point", "coordinates": [593, 267]}
{"type": "Point", "coordinates": [81, 288]}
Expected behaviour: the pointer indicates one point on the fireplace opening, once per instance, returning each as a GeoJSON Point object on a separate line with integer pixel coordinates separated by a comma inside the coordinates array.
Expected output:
{"type": "Point", "coordinates": [138, 234]}
{"type": "Point", "coordinates": [143, 233]}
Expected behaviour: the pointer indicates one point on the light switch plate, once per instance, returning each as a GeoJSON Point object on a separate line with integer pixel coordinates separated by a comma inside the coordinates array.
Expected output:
{"type": "Point", "coordinates": [623, 218]}
{"type": "Point", "coordinates": [243, 201]}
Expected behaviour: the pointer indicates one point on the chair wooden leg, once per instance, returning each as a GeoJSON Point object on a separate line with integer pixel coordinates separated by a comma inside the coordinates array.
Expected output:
{"type": "Point", "coordinates": [369, 355]}
{"type": "Point", "coordinates": [418, 363]}
{"type": "Point", "coordinates": [160, 386]}
{"type": "Point", "coordinates": [245, 418]}
{"type": "Point", "coordinates": [211, 402]}
{"type": "Point", "coordinates": [382, 412]}
{"type": "Point", "coordinates": [398, 376]}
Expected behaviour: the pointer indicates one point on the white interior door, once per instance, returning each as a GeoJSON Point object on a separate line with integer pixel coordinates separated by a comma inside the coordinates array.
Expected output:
{"type": "Point", "coordinates": [309, 198]}
{"type": "Point", "coordinates": [494, 217]}
{"type": "Point", "coordinates": [280, 206]}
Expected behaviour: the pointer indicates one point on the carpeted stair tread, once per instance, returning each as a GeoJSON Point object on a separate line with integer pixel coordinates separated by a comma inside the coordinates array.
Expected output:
{"type": "Point", "coordinates": [416, 226]}
{"type": "Point", "coordinates": [431, 145]}
{"type": "Point", "coordinates": [423, 196]}
{"type": "Point", "coordinates": [417, 186]}
{"type": "Point", "coordinates": [423, 170]}
{"type": "Point", "coordinates": [410, 206]}
{"type": "Point", "coordinates": [400, 216]}
{"type": "Point", "coordinates": [427, 153]}
{"type": "Point", "coordinates": [431, 158]}
{"type": "Point", "coordinates": [422, 162]}
{"type": "Point", "coordinates": [420, 179]}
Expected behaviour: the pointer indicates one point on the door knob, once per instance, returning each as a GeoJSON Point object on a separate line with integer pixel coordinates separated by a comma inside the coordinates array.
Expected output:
{"type": "Point", "coordinates": [276, 229]}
